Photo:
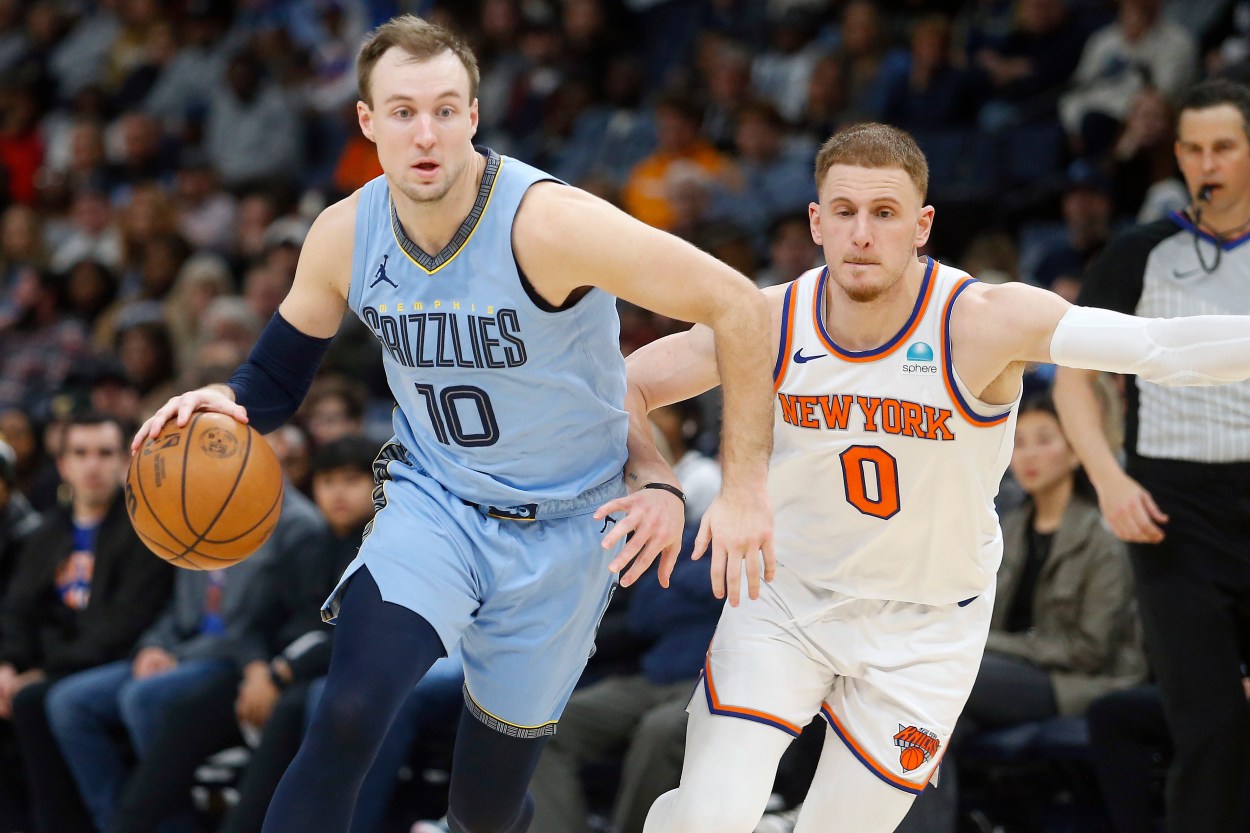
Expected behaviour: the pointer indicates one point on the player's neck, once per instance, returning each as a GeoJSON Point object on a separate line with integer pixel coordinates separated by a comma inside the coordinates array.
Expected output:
{"type": "Point", "coordinates": [432, 225]}
{"type": "Point", "coordinates": [866, 325]}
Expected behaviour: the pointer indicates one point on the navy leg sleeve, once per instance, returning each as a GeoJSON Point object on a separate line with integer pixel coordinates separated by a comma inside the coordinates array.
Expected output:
{"type": "Point", "coordinates": [381, 650]}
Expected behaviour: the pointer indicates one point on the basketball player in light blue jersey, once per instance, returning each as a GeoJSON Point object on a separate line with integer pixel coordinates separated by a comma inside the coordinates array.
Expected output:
{"type": "Point", "coordinates": [503, 515]}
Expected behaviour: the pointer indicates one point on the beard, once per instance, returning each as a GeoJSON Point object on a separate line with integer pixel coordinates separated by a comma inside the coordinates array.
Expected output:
{"type": "Point", "coordinates": [862, 293]}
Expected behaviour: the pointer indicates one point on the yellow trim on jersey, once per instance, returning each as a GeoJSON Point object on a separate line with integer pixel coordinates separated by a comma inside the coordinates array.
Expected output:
{"type": "Point", "coordinates": [467, 240]}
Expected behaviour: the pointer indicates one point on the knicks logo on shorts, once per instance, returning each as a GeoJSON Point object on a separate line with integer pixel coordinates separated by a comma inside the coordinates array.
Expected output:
{"type": "Point", "coordinates": [916, 746]}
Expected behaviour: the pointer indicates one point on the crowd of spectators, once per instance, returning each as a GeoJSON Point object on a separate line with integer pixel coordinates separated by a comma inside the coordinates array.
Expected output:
{"type": "Point", "coordinates": [161, 162]}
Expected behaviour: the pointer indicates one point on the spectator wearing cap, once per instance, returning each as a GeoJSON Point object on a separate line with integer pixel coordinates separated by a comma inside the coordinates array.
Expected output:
{"type": "Point", "coordinates": [1087, 222]}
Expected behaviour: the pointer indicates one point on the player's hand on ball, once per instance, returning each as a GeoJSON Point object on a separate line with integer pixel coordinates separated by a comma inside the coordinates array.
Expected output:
{"type": "Point", "coordinates": [739, 527]}
{"type": "Point", "coordinates": [652, 526]}
{"type": "Point", "coordinates": [216, 398]}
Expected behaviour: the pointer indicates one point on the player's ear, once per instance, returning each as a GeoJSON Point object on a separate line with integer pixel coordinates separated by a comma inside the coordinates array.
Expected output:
{"type": "Point", "coordinates": [924, 225]}
{"type": "Point", "coordinates": [813, 221]}
{"type": "Point", "coordinates": [473, 116]}
{"type": "Point", "coordinates": [364, 117]}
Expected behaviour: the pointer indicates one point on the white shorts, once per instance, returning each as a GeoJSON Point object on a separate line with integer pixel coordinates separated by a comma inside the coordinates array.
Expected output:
{"type": "Point", "coordinates": [891, 678]}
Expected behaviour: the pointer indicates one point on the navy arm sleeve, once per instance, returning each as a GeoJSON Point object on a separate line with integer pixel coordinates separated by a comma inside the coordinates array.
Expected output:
{"type": "Point", "coordinates": [273, 381]}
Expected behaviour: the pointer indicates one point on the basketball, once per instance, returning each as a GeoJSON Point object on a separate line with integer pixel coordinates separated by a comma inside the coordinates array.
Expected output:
{"type": "Point", "coordinates": [207, 495]}
{"type": "Point", "coordinates": [911, 758]}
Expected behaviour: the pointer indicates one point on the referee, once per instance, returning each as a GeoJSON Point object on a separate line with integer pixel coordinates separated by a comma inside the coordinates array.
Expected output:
{"type": "Point", "coordinates": [1183, 502]}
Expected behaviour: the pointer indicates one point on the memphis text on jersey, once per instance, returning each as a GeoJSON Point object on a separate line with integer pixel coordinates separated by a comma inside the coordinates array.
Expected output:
{"type": "Point", "coordinates": [448, 334]}
{"type": "Point", "coordinates": [891, 416]}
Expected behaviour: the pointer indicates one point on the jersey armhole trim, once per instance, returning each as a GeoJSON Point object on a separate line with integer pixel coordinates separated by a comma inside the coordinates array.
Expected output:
{"type": "Point", "coordinates": [786, 340]}
{"type": "Point", "coordinates": [948, 369]}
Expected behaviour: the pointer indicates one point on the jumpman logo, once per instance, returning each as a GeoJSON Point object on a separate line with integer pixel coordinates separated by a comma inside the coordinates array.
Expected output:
{"type": "Point", "coordinates": [381, 275]}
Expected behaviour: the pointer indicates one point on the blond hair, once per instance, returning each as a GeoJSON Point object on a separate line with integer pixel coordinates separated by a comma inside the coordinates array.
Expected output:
{"type": "Point", "coordinates": [420, 39]}
{"type": "Point", "coordinates": [874, 145]}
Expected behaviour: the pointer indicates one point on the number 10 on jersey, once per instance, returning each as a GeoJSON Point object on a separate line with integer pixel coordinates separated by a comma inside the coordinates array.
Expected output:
{"type": "Point", "coordinates": [461, 414]}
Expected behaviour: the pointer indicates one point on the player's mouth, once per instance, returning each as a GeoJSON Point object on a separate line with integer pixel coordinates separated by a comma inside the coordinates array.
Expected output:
{"type": "Point", "coordinates": [426, 169]}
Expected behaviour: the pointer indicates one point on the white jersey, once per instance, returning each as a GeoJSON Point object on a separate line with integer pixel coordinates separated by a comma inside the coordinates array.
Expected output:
{"type": "Point", "coordinates": [884, 466]}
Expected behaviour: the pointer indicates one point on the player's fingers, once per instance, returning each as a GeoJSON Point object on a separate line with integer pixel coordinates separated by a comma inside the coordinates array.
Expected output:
{"type": "Point", "coordinates": [770, 560]}
{"type": "Point", "coordinates": [188, 405]}
{"type": "Point", "coordinates": [752, 562]}
{"type": "Point", "coordinates": [701, 541]}
{"type": "Point", "coordinates": [733, 577]}
{"type": "Point", "coordinates": [668, 561]}
{"type": "Point", "coordinates": [641, 563]}
{"type": "Point", "coordinates": [141, 435]}
{"type": "Point", "coordinates": [619, 530]}
{"type": "Point", "coordinates": [620, 504]}
{"type": "Point", "coordinates": [1153, 510]}
{"type": "Point", "coordinates": [718, 572]}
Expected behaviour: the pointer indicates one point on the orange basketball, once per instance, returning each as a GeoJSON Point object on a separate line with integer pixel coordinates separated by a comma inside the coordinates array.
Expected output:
{"type": "Point", "coordinates": [207, 495]}
{"type": "Point", "coordinates": [911, 758]}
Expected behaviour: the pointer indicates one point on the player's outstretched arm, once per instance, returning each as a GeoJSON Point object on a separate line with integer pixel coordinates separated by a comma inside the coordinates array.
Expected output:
{"type": "Point", "coordinates": [566, 239]}
{"type": "Point", "coordinates": [1017, 323]}
{"type": "Point", "coordinates": [268, 388]}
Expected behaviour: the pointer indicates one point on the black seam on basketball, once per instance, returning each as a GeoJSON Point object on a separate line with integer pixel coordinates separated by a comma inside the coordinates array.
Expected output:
{"type": "Point", "coordinates": [156, 517]}
{"type": "Point", "coordinates": [176, 559]}
{"type": "Point", "coordinates": [233, 488]}
{"type": "Point", "coordinates": [253, 527]}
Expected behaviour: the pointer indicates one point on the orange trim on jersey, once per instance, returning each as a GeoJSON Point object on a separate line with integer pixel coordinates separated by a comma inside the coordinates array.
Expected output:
{"type": "Point", "coordinates": [787, 339]}
{"type": "Point", "coordinates": [913, 787]}
{"type": "Point", "coordinates": [948, 368]}
{"type": "Point", "coordinates": [900, 338]}
{"type": "Point", "coordinates": [715, 706]}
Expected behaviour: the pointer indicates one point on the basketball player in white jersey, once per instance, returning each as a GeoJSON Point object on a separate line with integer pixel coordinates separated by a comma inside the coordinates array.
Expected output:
{"type": "Point", "coordinates": [896, 381]}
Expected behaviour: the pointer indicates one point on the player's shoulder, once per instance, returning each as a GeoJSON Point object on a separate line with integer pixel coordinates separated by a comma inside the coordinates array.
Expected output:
{"type": "Point", "coordinates": [338, 219]}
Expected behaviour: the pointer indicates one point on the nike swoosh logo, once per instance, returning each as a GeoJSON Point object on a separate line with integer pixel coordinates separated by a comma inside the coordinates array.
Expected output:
{"type": "Point", "coordinates": [1176, 273]}
{"type": "Point", "coordinates": [799, 358]}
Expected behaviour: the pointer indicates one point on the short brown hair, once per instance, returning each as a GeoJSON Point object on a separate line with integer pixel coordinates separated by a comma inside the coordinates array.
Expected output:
{"type": "Point", "coordinates": [874, 145]}
{"type": "Point", "coordinates": [420, 39]}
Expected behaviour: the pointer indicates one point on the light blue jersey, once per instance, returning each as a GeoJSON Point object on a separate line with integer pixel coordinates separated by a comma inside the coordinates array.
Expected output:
{"type": "Point", "coordinates": [502, 399]}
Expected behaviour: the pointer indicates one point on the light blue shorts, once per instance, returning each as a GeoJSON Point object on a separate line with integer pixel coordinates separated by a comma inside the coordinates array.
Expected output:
{"type": "Point", "coordinates": [520, 590]}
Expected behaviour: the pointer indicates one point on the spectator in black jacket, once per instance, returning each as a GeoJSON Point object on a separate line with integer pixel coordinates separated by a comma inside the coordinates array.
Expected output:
{"type": "Point", "coordinates": [83, 590]}
{"type": "Point", "coordinates": [222, 626]}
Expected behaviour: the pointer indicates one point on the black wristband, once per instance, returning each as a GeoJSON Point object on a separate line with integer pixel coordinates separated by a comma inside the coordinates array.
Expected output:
{"type": "Point", "coordinates": [668, 488]}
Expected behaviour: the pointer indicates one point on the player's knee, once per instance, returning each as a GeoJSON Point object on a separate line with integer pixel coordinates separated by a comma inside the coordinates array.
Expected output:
{"type": "Point", "coordinates": [346, 723]}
